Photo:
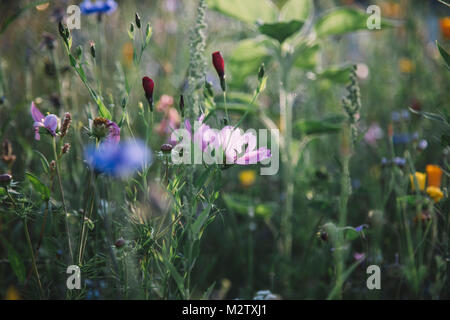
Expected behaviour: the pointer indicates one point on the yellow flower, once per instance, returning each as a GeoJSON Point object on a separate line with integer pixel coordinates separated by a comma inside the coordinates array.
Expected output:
{"type": "Point", "coordinates": [12, 294]}
{"type": "Point", "coordinates": [435, 193]}
{"type": "Point", "coordinates": [406, 65]}
{"type": "Point", "coordinates": [434, 175]}
{"type": "Point", "coordinates": [421, 178]}
{"type": "Point", "coordinates": [247, 177]}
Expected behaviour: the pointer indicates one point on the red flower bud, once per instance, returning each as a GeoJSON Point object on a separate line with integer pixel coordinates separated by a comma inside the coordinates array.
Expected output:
{"type": "Point", "coordinates": [219, 64]}
{"type": "Point", "coordinates": [148, 85]}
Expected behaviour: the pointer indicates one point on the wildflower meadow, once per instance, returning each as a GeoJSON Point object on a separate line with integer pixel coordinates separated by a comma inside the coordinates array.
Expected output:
{"type": "Point", "coordinates": [224, 150]}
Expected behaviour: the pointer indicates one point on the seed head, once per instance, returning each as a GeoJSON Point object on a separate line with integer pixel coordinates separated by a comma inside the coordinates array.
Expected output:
{"type": "Point", "coordinates": [66, 124]}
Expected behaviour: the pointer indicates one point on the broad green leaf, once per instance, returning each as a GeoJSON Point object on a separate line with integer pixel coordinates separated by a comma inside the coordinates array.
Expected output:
{"type": "Point", "coordinates": [350, 234]}
{"type": "Point", "coordinates": [336, 74]}
{"type": "Point", "coordinates": [445, 55]}
{"type": "Point", "coordinates": [296, 10]}
{"type": "Point", "coordinates": [281, 30]}
{"type": "Point", "coordinates": [237, 101]}
{"type": "Point", "coordinates": [16, 262]}
{"type": "Point", "coordinates": [246, 60]}
{"type": "Point", "coordinates": [328, 125]}
{"type": "Point", "coordinates": [306, 57]}
{"type": "Point", "coordinates": [38, 186]}
{"type": "Point", "coordinates": [248, 11]}
{"type": "Point", "coordinates": [343, 20]}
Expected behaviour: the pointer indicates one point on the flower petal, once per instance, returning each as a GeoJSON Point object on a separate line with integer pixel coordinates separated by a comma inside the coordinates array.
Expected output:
{"type": "Point", "coordinates": [35, 113]}
{"type": "Point", "coordinates": [51, 123]}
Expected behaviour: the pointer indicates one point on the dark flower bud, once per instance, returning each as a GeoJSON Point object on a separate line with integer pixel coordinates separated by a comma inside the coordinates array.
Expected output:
{"type": "Point", "coordinates": [120, 243]}
{"type": "Point", "coordinates": [66, 124]}
{"type": "Point", "coordinates": [261, 72]}
{"type": "Point", "coordinates": [323, 235]}
{"type": "Point", "coordinates": [148, 86]}
{"type": "Point", "coordinates": [62, 30]}
{"type": "Point", "coordinates": [92, 46]}
{"type": "Point", "coordinates": [182, 105]}
{"type": "Point", "coordinates": [138, 20]}
{"type": "Point", "coordinates": [166, 148]}
{"type": "Point", "coordinates": [65, 148]}
{"type": "Point", "coordinates": [5, 179]}
{"type": "Point", "coordinates": [219, 65]}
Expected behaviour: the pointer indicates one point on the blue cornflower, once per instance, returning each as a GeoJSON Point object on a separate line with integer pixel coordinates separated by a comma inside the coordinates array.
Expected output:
{"type": "Point", "coordinates": [87, 7]}
{"type": "Point", "coordinates": [398, 161]}
{"type": "Point", "coordinates": [118, 160]}
{"type": "Point", "coordinates": [361, 227]}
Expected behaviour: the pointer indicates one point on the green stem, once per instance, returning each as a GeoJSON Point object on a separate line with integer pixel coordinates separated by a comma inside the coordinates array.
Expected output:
{"type": "Point", "coordinates": [66, 222]}
{"type": "Point", "coordinates": [30, 246]}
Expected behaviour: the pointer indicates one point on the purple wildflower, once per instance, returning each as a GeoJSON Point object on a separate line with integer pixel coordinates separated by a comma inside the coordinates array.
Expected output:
{"type": "Point", "coordinates": [49, 122]}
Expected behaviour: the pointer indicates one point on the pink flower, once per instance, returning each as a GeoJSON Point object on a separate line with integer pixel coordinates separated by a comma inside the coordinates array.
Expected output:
{"type": "Point", "coordinates": [164, 103]}
{"type": "Point", "coordinates": [50, 122]}
{"type": "Point", "coordinates": [373, 134]}
{"type": "Point", "coordinates": [237, 147]}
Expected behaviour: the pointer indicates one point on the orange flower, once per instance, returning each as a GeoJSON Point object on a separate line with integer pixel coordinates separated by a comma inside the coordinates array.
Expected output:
{"type": "Point", "coordinates": [434, 175]}
{"type": "Point", "coordinates": [445, 27]}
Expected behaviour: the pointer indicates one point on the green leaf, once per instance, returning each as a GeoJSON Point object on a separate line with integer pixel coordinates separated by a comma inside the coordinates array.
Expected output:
{"type": "Point", "coordinates": [16, 262]}
{"type": "Point", "coordinates": [38, 186]}
{"type": "Point", "coordinates": [201, 219]}
{"type": "Point", "coordinates": [328, 125]}
{"type": "Point", "coordinates": [281, 30]}
{"type": "Point", "coordinates": [248, 11]}
{"type": "Point", "coordinates": [343, 20]}
{"type": "Point", "coordinates": [445, 55]}
{"type": "Point", "coordinates": [429, 115]}
{"type": "Point", "coordinates": [306, 57]}
{"type": "Point", "coordinates": [102, 110]}
{"type": "Point", "coordinates": [179, 280]}
{"type": "Point", "coordinates": [336, 74]}
{"type": "Point", "coordinates": [296, 10]}
{"type": "Point", "coordinates": [246, 59]}
{"type": "Point", "coordinates": [350, 234]}
{"type": "Point", "coordinates": [238, 102]}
